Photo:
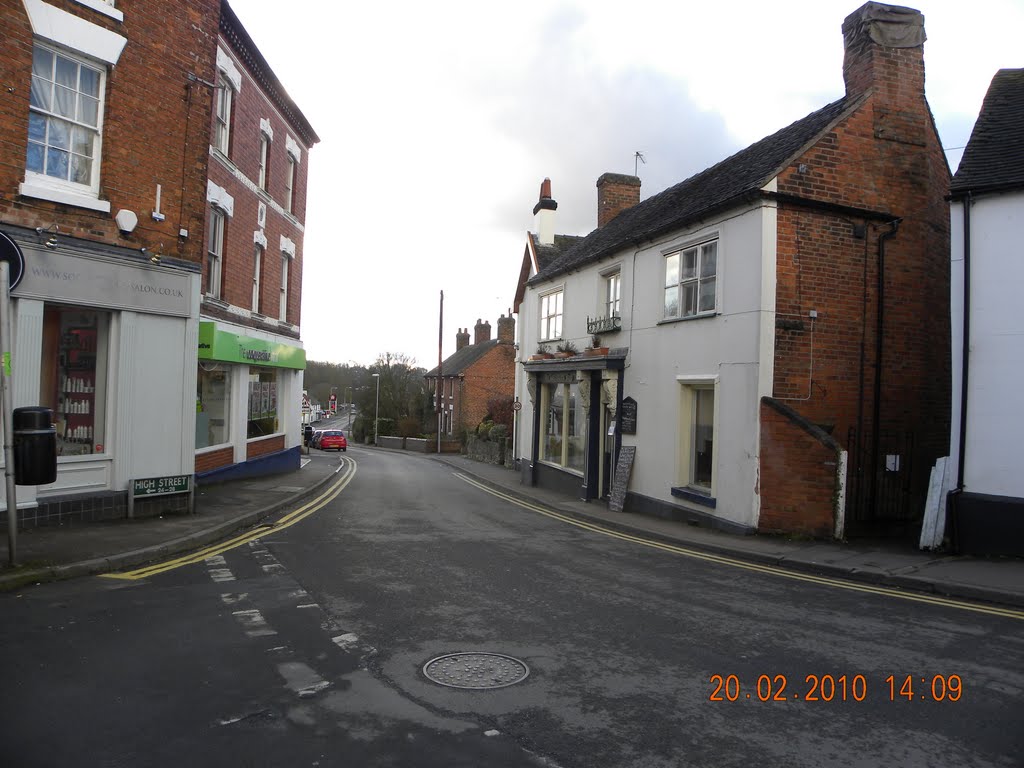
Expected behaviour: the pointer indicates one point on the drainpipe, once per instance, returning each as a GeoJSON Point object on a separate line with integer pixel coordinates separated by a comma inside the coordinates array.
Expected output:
{"type": "Point", "coordinates": [966, 342]}
{"type": "Point", "coordinates": [876, 415]}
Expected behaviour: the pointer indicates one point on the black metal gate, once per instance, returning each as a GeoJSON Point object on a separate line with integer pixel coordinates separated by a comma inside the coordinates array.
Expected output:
{"type": "Point", "coordinates": [886, 485]}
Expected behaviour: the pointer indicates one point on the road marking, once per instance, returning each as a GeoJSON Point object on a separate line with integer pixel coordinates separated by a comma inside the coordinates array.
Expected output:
{"type": "Point", "coordinates": [769, 569]}
{"type": "Point", "coordinates": [254, 623]}
{"type": "Point", "coordinates": [347, 471]}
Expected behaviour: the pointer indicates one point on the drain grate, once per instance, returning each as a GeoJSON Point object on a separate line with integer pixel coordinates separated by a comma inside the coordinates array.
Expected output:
{"type": "Point", "coordinates": [476, 671]}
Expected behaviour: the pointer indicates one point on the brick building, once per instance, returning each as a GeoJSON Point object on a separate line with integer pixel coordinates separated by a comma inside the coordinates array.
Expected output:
{"type": "Point", "coordinates": [105, 124]}
{"type": "Point", "coordinates": [249, 393]}
{"type": "Point", "coordinates": [474, 375]}
{"type": "Point", "coordinates": [778, 323]}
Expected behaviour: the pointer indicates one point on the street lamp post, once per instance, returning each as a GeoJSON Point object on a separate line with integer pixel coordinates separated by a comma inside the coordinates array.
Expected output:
{"type": "Point", "coordinates": [376, 409]}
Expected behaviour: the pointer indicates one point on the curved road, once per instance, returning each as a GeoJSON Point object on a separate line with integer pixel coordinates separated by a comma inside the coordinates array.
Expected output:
{"type": "Point", "coordinates": [307, 647]}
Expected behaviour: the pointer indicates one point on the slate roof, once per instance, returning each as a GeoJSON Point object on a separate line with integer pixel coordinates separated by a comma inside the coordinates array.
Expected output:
{"type": "Point", "coordinates": [462, 360]}
{"type": "Point", "coordinates": [994, 157]}
{"type": "Point", "coordinates": [721, 185]}
{"type": "Point", "coordinates": [546, 254]}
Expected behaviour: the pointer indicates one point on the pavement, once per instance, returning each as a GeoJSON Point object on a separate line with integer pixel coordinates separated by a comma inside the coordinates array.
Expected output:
{"type": "Point", "coordinates": [61, 552]}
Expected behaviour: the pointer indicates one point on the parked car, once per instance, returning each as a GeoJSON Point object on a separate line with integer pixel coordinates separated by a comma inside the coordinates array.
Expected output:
{"type": "Point", "coordinates": [315, 439]}
{"type": "Point", "coordinates": [333, 438]}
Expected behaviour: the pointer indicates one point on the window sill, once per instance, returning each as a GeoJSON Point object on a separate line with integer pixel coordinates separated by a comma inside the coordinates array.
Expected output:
{"type": "Point", "coordinates": [212, 448]}
{"type": "Point", "coordinates": [102, 7]}
{"type": "Point", "coordinates": [65, 197]}
{"type": "Point", "coordinates": [215, 301]}
{"type": "Point", "coordinates": [701, 316]}
{"type": "Point", "coordinates": [695, 496]}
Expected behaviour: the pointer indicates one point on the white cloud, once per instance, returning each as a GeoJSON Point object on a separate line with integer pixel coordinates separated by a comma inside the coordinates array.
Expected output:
{"type": "Point", "coordinates": [439, 120]}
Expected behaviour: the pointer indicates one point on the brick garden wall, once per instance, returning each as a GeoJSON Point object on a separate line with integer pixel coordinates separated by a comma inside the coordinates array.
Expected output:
{"type": "Point", "coordinates": [798, 480]}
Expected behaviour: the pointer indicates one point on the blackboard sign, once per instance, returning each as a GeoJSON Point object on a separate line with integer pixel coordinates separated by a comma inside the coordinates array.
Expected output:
{"type": "Point", "coordinates": [622, 471]}
{"type": "Point", "coordinates": [627, 416]}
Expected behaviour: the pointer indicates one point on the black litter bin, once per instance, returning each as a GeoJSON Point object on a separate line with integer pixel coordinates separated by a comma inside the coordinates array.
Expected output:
{"type": "Point", "coordinates": [35, 446]}
{"type": "Point", "coordinates": [307, 434]}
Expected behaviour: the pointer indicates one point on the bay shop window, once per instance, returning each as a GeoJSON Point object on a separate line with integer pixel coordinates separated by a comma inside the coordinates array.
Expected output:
{"type": "Point", "coordinates": [563, 439]}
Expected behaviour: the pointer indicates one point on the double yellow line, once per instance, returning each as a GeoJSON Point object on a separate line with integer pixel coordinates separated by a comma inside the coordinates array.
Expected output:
{"type": "Point", "coordinates": [346, 472]}
{"type": "Point", "coordinates": [734, 563]}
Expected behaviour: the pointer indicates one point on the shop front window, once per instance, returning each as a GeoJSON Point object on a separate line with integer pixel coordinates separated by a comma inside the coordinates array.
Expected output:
{"type": "Point", "coordinates": [73, 376]}
{"type": "Point", "coordinates": [213, 396]}
{"type": "Point", "coordinates": [564, 435]}
{"type": "Point", "coordinates": [262, 402]}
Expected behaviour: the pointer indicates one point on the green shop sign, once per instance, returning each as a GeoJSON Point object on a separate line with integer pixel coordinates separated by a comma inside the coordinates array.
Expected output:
{"type": "Point", "coordinates": [227, 347]}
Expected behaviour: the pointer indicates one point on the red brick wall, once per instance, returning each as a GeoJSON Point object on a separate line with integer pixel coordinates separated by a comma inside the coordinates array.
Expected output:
{"type": "Point", "coordinates": [249, 106]}
{"type": "Point", "coordinates": [206, 462]}
{"type": "Point", "coordinates": [798, 475]}
{"type": "Point", "coordinates": [493, 375]}
{"type": "Point", "coordinates": [155, 125]}
{"type": "Point", "coordinates": [886, 158]}
{"type": "Point", "coordinates": [263, 447]}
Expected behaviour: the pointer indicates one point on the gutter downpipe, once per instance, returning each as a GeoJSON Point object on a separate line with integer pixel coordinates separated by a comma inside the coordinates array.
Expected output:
{"type": "Point", "coordinates": [964, 363]}
{"type": "Point", "coordinates": [876, 415]}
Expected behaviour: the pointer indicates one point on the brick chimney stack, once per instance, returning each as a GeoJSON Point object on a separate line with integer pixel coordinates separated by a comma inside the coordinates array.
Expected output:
{"type": "Point", "coordinates": [615, 193]}
{"type": "Point", "coordinates": [884, 50]}
{"type": "Point", "coordinates": [544, 214]}
{"type": "Point", "coordinates": [507, 329]}
{"type": "Point", "coordinates": [461, 339]}
{"type": "Point", "coordinates": [483, 332]}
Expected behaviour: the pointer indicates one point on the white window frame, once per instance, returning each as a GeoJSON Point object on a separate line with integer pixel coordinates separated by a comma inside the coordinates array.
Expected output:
{"type": "Point", "coordinates": [285, 266]}
{"type": "Point", "coordinates": [289, 184]}
{"type": "Point", "coordinates": [264, 160]}
{"type": "Point", "coordinates": [257, 268]}
{"type": "Point", "coordinates": [222, 114]}
{"type": "Point", "coordinates": [215, 251]}
{"type": "Point", "coordinates": [613, 294]}
{"type": "Point", "coordinates": [690, 386]}
{"type": "Point", "coordinates": [551, 311]}
{"type": "Point", "coordinates": [42, 185]}
{"type": "Point", "coordinates": [680, 282]}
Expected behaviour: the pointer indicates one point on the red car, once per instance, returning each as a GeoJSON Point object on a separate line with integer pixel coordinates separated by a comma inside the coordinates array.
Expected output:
{"type": "Point", "coordinates": [333, 438]}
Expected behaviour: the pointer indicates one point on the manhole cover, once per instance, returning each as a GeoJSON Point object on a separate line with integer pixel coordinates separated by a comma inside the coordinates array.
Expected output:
{"type": "Point", "coordinates": [475, 670]}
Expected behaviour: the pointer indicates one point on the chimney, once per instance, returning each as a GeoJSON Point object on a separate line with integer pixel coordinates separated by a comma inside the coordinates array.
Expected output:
{"type": "Point", "coordinates": [884, 50]}
{"type": "Point", "coordinates": [483, 332]}
{"type": "Point", "coordinates": [461, 339]}
{"type": "Point", "coordinates": [544, 214]}
{"type": "Point", "coordinates": [507, 329]}
{"type": "Point", "coordinates": [615, 193]}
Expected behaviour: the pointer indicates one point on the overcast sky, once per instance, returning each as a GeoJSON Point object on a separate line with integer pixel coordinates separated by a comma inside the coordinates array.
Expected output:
{"type": "Point", "coordinates": [439, 120]}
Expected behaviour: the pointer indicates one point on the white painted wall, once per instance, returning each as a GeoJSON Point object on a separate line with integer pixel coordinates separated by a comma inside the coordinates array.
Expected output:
{"type": "Point", "coordinates": [995, 403]}
{"type": "Point", "coordinates": [731, 347]}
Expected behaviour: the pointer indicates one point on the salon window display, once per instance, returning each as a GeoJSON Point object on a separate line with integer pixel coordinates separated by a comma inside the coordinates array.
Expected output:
{"type": "Point", "coordinates": [72, 377]}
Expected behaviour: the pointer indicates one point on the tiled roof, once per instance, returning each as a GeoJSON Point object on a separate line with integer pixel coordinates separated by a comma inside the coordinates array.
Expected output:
{"type": "Point", "coordinates": [729, 181]}
{"type": "Point", "coordinates": [462, 360]}
{"type": "Point", "coordinates": [546, 254]}
{"type": "Point", "coordinates": [994, 157]}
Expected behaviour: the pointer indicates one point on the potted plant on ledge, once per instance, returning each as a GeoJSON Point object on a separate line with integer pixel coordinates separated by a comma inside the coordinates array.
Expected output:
{"type": "Point", "coordinates": [566, 349]}
{"type": "Point", "coordinates": [542, 353]}
{"type": "Point", "coordinates": [596, 349]}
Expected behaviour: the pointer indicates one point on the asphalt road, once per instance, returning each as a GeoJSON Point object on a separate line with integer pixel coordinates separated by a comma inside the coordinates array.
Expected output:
{"type": "Point", "coordinates": [307, 647]}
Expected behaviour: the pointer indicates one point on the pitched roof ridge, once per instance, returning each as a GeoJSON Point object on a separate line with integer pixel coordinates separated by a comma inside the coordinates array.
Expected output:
{"type": "Point", "coordinates": [742, 172]}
